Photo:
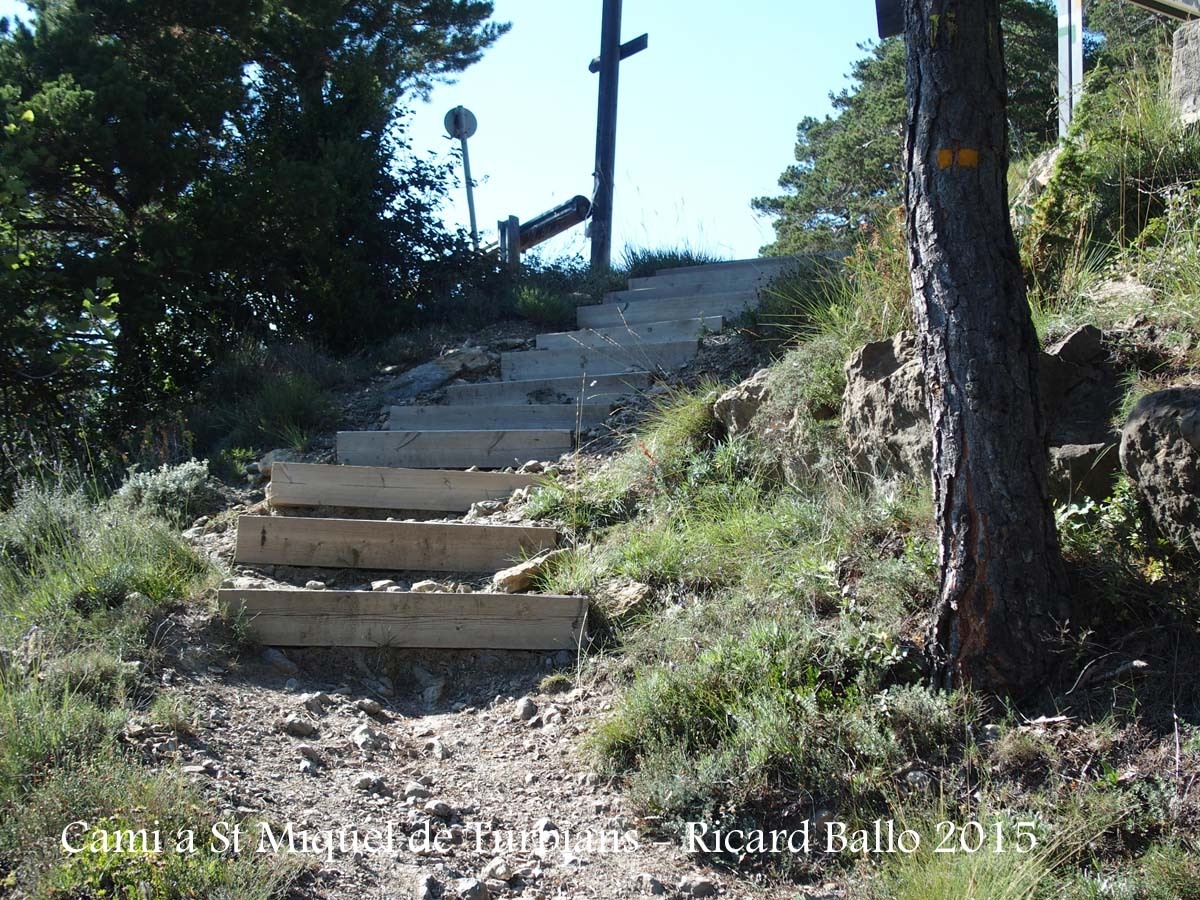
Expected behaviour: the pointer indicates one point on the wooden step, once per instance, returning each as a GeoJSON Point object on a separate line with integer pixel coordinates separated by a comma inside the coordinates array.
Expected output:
{"type": "Point", "coordinates": [432, 621]}
{"type": "Point", "coordinates": [549, 390]}
{"type": "Point", "coordinates": [731, 265]}
{"type": "Point", "coordinates": [607, 315]}
{"type": "Point", "coordinates": [451, 449]}
{"type": "Point", "coordinates": [525, 364]}
{"type": "Point", "coordinates": [624, 335]}
{"type": "Point", "coordinates": [368, 487]}
{"type": "Point", "coordinates": [673, 291]}
{"type": "Point", "coordinates": [366, 544]}
{"type": "Point", "coordinates": [501, 417]}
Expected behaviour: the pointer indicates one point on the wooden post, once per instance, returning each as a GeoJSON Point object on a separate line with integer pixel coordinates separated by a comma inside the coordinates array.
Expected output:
{"type": "Point", "coordinates": [510, 242]}
{"type": "Point", "coordinates": [606, 135]}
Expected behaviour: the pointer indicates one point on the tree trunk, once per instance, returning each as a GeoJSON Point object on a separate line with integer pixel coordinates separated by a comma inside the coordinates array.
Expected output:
{"type": "Point", "coordinates": [1003, 590]}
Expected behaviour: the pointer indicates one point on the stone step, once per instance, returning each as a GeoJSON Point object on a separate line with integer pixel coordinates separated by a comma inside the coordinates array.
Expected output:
{"type": "Point", "coordinates": [626, 335]}
{"type": "Point", "coordinates": [600, 389]}
{"type": "Point", "coordinates": [526, 364]}
{"type": "Point", "coordinates": [451, 449]}
{"type": "Point", "coordinates": [371, 487]}
{"type": "Point", "coordinates": [500, 417]}
{"type": "Point", "coordinates": [432, 621]}
{"type": "Point", "coordinates": [608, 315]}
{"type": "Point", "coordinates": [387, 546]}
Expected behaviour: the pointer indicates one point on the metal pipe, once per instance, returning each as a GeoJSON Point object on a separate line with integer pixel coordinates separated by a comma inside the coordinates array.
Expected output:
{"type": "Point", "coordinates": [470, 194]}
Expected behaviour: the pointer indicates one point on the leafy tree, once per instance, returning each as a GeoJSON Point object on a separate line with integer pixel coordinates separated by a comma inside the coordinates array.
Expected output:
{"type": "Point", "coordinates": [225, 167]}
{"type": "Point", "coordinates": [848, 166]}
{"type": "Point", "coordinates": [1119, 34]}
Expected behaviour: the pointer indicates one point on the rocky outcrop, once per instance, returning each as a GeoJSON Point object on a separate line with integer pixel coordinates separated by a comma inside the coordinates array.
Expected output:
{"type": "Point", "coordinates": [1160, 451]}
{"type": "Point", "coordinates": [737, 406]}
{"type": "Point", "coordinates": [1036, 181]}
{"type": "Point", "coordinates": [886, 420]}
{"type": "Point", "coordinates": [1185, 73]}
{"type": "Point", "coordinates": [883, 408]}
{"type": "Point", "coordinates": [432, 375]}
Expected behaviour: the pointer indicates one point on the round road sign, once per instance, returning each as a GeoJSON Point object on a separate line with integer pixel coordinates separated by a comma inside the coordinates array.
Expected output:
{"type": "Point", "coordinates": [460, 123]}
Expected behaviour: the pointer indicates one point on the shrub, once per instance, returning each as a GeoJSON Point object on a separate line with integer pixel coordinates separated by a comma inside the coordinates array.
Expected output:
{"type": "Point", "coordinates": [44, 519]}
{"type": "Point", "coordinates": [641, 262]}
{"type": "Point", "coordinates": [545, 307]}
{"type": "Point", "coordinates": [176, 493]}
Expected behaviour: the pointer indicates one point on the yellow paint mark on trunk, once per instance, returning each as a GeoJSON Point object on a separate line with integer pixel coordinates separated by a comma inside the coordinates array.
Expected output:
{"type": "Point", "coordinates": [962, 157]}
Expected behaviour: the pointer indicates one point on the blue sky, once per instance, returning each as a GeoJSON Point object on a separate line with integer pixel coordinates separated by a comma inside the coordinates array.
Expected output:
{"type": "Point", "coordinates": [707, 117]}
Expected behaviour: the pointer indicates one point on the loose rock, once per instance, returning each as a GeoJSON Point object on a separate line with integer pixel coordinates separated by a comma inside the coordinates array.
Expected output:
{"type": "Point", "coordinates": [520, 577]}
{"type": "Point", "coordinates": [526, 709]}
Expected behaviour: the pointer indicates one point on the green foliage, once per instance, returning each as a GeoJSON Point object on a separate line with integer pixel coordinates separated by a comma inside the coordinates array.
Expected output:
{"type": "Point", "coordinates": [270, 395]}
{"type": "Point", "coordinates": [641, 262]}
{"type": "Point", "coordinates": [176, 493]}
{"type": "Point", "coordinates": [771, 712]}
{"type": "Point", "coordinates": [848, 166]}
{"type": "Point", "coordinates": [544, 307]}
{"type": "Point", "coordinates": [224, 169]}
{"type": "Point", "coordinates": [680, 423]}
{"type": "Point", "coordinates": [81, 587]}
{"type": "Point", "coordinates": [1127, 156]}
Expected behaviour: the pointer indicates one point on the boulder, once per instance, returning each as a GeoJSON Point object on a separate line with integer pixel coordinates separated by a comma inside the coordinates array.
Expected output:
{"type": "Point", "coordinates": [737, 406]}
{"type": "Point", "coordinates": [1160, 451]}
{"type": "Point", "coordinates": [883, 408]}
{"type": "Point", "coordinates": [1185, 73]}
{"type": "Point", "coordinates": [1083, 470]}
{"type": "Point", "coordinates": [432, 375]}
{"type": "Point", "coordinates": [887, 423]}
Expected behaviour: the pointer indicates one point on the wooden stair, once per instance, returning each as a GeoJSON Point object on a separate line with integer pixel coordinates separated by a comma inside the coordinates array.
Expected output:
{"type": "Point", "coordinates": [299, 485]}
{"type": "Point", "coordinates": [544, 396]}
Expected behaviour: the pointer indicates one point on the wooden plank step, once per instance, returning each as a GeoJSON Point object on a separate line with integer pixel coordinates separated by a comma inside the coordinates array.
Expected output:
{"type": "Point", "coordinates": [626, 334]}
{"type": "Point", "coordinates": [502, 417]}
{"type": "Point", "coordinates": [525, 364]}
{"type": "Point", "coordinates": [754, 262]}
{"type": "Point", "coordinates": [642, 297]}
{"type": "Point", "coordinates": [695, 288]}
{"type": "Point", "coordinates": [451, 449]}
{"type": "Point", "coordinates": [607, 315]}
{"type": "Point", "coordinates": [369, 487]}
{"type": "Point", "coordinates": [550, 390]}
{"type": "Point", "coordinates": [429, 621]}
{"type": "Point", "coordinates": [367, 544]}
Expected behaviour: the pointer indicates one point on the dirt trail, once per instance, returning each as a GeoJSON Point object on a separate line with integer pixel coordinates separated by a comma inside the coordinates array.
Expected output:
{"type": "Point", "coordinates": [446, 760]}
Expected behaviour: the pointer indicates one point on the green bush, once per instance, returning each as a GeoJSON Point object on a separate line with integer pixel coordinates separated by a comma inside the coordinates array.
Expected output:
{"type": "Point", "coordinates": [176, 493]}
{"type": "Point", "coordinates": [641, 262]}
{"type": "Point", "coordinates": [545, 307]}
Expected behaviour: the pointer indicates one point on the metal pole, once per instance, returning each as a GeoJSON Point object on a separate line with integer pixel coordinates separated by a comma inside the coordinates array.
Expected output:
{"type": "Point", "coordinates": [1070, 61]}
{"type": "Point", "coordinates": [470, 194]}
{"type": "Point", "coordinates": [606, 135]}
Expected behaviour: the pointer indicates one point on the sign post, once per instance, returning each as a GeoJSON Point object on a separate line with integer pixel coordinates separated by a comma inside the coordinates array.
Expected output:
{"type": "Point", "coordinates": [1070, 61]}
{"type": "Point", "coordinates": [608, 64]}
{"type": "Point", "coordinates": [461, 123]}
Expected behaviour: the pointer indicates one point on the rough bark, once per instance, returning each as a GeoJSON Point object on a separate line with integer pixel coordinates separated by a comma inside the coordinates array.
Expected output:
{"type": "Point", "coordinates": [1003, 589]}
